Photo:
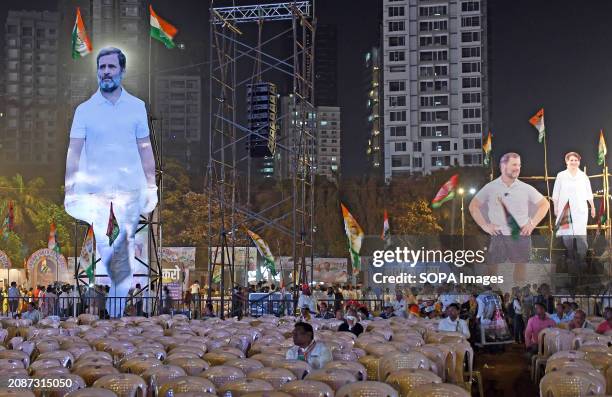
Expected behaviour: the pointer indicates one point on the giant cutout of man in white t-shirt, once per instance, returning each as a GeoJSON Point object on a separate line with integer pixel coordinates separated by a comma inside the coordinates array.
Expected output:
{"type": "Point", "coordinates": [110, 159]}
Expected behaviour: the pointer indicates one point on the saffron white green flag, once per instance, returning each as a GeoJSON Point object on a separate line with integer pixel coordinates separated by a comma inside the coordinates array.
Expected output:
{"type": "Point", "coordinates": [538, 122]}
{"type": "Point", "coordinates": [602, 150]}
{"type": "Point", "coordinates": [162, 30]}
{"type": "Point", "coordinates": [264, 250]}
{"type": "Point", "coordinates": [355, 236]}
{"type": "Point", "coordinates": [86, 259]}
{"type": "Point", "coordinates": [81, 45]}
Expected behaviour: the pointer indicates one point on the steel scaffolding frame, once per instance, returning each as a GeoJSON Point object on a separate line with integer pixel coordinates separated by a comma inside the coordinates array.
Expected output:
{"type": "Point", "coordinates": [226, 178]}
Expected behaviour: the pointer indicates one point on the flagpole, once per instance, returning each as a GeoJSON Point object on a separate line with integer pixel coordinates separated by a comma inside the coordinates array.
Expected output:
{"type": "Point", "coordinates": [149, 76]}
{"type": "Point", "coordinates": [550, 224]}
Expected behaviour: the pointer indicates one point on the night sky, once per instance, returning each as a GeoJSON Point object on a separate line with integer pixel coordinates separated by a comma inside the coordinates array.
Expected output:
{"type": "Point", "coordinates": [555, 55]}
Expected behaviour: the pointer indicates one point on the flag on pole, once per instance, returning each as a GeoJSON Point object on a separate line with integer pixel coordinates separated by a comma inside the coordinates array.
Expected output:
{"type": "Point", "coordinates": [216, 278]}
{"type": "Point", "coordinates": [112, 230]}
{"type": "Point", "coordinates": [355, 236]}
{"type": "Point", "coordinates": [8, 221]}
{"type": "Point", "coordinates": [602, 150]}
{"type": "Point", "coordinates": [386, 233]}
{"type": "Point", "coordinates": [564, 221]}
{"type": "Point", "coordinates": [53, 243]}
{"type": "Point", "coordinates": [486, 148]}
{"type": "Point", "coordinates": [515, 229]}
{"type": "Point", "coordinates": [446, 192]}
{"type": "Point", "coordinates": [264, 250]}
{"type": "Point", "coordinates": [162, 30]}
{"type": "Point", "coordinates": [81, 45]}
{"type": "Point", "coordinates": [87, 259]}
{"type": "Point", "coordinates": [538, 122]}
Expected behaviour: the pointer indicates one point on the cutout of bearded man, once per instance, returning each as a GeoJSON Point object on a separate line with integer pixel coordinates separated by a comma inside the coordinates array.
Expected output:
{"type": "Point", "coordinates": [110, 160]}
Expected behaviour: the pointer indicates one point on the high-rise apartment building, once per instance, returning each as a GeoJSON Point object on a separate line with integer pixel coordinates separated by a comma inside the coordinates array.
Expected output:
{"type": "Point", "coordinates": [324, 124]}
{"type": "Point", "coordinates": [179, 104]}
{"type": "Point", "coordinates": [31, 136]}
{"type": "Point", "coordinates": [435, 84]}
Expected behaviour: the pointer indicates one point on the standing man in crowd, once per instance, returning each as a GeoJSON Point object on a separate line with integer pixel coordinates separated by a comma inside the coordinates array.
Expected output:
{"type": "Point", "coordinates": [13, 299]}
{"type": "Point", "coordinates": [110, 161]}
{"type": "Point", "coordinates": [453, 323]}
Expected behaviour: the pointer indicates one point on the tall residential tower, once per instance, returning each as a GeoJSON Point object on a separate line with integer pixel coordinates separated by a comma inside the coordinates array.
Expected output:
{"type": "Point", "coordinates": [435, 84]}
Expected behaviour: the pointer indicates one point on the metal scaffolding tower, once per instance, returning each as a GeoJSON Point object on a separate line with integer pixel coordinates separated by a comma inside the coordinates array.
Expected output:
{"type": "Point", "coordinates": [228, 175]}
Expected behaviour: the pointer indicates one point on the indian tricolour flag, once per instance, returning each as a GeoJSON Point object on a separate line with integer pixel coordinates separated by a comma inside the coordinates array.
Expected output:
{"type": "Point", "coordinates": [602, 150]}
{"type": "Point", "coordinates": [487, 147]}
{"type": "Point", "coordinates": [355, 236]}
{"type": "Point", "coordinates": [87, 258]}
{"type": "Point", "coordinates": [538, 122]}
{"type": "Point", "coordinates": [162, 30]}
{"type": "Point", "coordinates": [264, 250]}
{"type": "Point", "coordinates": [446, 192]}
{"type": "Point", "coordinates": [81, 45]}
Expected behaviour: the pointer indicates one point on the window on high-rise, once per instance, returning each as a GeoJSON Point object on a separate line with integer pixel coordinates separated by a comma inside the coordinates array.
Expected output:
{"type": "Point", "coordinates": [429, 26]}
{"type": "Point", "coordinates": [397, 11]}
{"type": "Point", "coordinates": [440, 161]}
{"type": "Point", "coordinates": [397, 100]}
{"type": "Point", "coordinates": [472, 143]}
{"type": "Point", "coordinates": [398, 130]}
{"type": "Point", "coordinates": [417, 146]}
{"type": "Point", "coordinates": [469, 37]}
{"type": "Point", "coordinates": [470, 21]}
{"type": "Point", "coordinates": [397, 26]}
{"type": "Point", "coordinates": [434, 131]}
{"type": "Point", "coordinates": [470, 82]}
{"type": "Point", "coordinates": [400, 160]}
{"type": "Point", "coordinates": [472, 128]}
{"type": "Point", "coordinates": [396, 41]}
{"type": "Point", "coordinates": [400, 146]}
{"type": "Point", "coordinates": [469, 6]}
{"type": "Point", "coordinates": [397, 116]}
{"type": "Point", "coordinates": [417, 162]}
{"type": "Point", "coordinates": [397, 56]}
{"type": "Point", "coordinates": [470, 67]}
{"type": "Point", "coordinates": [434, 116]}
{"type": "Point", "coordinates": [470, 52]}
{"type": "Point", "coordinates": [470, 97]}
{"type": "Point", "coordinates": [432, 11]}
{"type": "Point", "coordinates": [471, 113]}
{"type": "Point", "coordinates": [472, 159]}
{"type": "Point", "coordinates": [397, 86]}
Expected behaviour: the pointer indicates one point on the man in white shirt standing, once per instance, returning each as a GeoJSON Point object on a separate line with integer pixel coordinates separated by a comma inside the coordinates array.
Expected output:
{"type": "Point", "coordinates": [110, 161]}
{"type": "Point", "coordinates": [307, 300]}
{"type": "Point", "coordinates": [453, 323]}
{"type": "Point", "coordinates": [508, 198]}
{"type": "Point", "coordinates": [400, 305]}
{"type": "Point", "coordinates": [307, 349]}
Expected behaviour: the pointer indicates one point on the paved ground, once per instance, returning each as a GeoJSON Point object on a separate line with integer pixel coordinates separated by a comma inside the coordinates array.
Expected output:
{"type": "Point", "coordinates": [505, 374]}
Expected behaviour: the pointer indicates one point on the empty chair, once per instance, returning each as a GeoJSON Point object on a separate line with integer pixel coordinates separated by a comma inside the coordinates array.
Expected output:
{"type": "Point", "coordinates": [268, 359]}
{"type": "Point", "coordinates": [572, 382]}
{"type": "Point", "coordinates": [124, 385]}
{"type": "Point", "coordinates": [138, 365]}
{"type": "Point", "coordinates": [267, 394]}
{"type": "Point", "coordinates": [367, 389]}
{"type": "Point", "coordinates": [564, 362]}
{"type": "Point", "coordinates": [185, 384]}
{"type": "Point", "coordinates": [10, 392]}
{"type": "Point", "coordinates": [334, 378]}
{"type": "Point", "coordinates": [371, 363]}
{"type": "Point", "coordinates": [438, 390]}
{"type": "Point", "coordinates": [222, 374]}
{"type": "Point", "coordinates": [307, 388]}
{"type": "Point", "coordinates": [16, 355]}
{"type": "Point", "coordinates": [568, 354]}
{"type": "Point", "coordinates": [192, 366]}
{"type": "Point", "coordinates": [246, 364]}
{"type": "Point", "coordinates": [156, 376]}
{"type": "Point", "coordinates": [92, 392]}
{"type": "Point", "coordinates": [219, 357]}
{"type": "Point", "coordinates": [276, 376]}
{"type": "Point", "coordinates": [240, 387]}
{"type": "Point", "coordinates": [358, 370]}
{"type": "Point", "coordinates": [65, 358]}
{"type": "Point", "coordinates": [404, 380]}
{"type": "Point", "coordinates": [394, 362]}
{"type": "Point", "coordinates": [91, 373]}
{"type": "Point", "coordinates": [299, 368]}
